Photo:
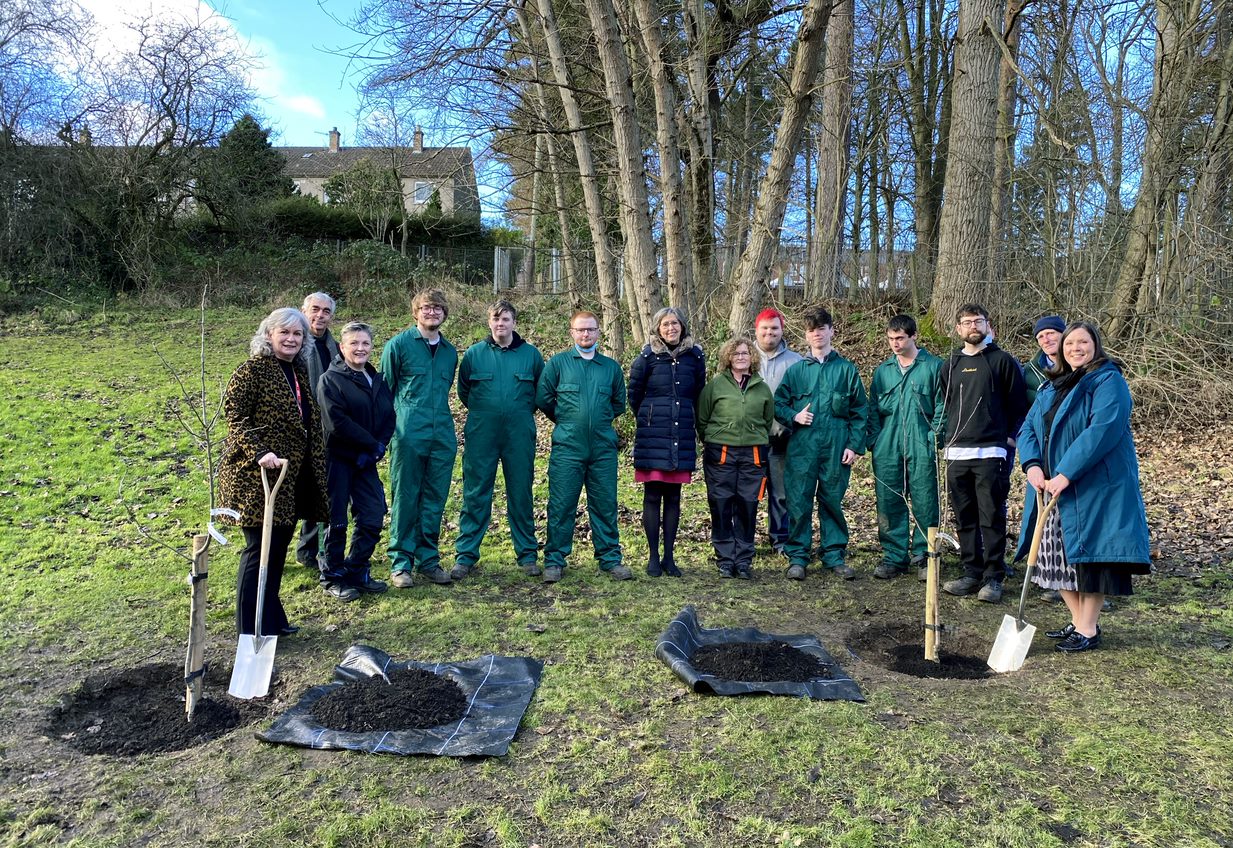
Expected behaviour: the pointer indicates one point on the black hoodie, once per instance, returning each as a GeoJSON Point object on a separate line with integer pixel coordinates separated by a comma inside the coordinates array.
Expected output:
{"type": "Point", "coordinates": [986, 398]}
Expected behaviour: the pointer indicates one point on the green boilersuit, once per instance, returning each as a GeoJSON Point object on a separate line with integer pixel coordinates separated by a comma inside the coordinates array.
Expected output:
{"type": "Point", "coordinates": [814, 470]}
{"type": "Point", "coordinates": [582, 397]}
{"type": "Point", "coordinates": [905, 419]}
{"type": "Point", "coordinates": [497, 386]}
{"type": "Point", "coordinates": [424, 447]}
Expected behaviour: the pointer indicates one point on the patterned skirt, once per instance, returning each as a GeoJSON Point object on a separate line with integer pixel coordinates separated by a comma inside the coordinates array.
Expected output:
{"type": "Point", "coordinates": [1052, 569]}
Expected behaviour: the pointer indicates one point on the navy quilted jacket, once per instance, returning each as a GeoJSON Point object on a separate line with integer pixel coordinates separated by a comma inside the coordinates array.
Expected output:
{"type": "Point", "coordinates": [663, 388]}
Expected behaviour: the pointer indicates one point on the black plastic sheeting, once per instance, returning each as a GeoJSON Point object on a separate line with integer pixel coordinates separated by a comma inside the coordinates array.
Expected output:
{"type": "Point", "coordinates": [498, 690]}
{"type": "Point", "coordinates": [685, 635]}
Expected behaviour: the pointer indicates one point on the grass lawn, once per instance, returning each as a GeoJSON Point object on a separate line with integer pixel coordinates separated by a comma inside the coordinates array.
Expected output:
{"type": "Point", "coordinates": [1128, 745]}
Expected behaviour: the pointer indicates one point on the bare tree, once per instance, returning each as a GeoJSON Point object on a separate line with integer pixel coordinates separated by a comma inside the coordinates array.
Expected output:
{"type": "Point", "coordinates": [830, 201]}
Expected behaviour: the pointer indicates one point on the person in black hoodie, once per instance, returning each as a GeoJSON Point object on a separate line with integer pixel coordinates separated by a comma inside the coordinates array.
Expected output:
{"type": "Point", "coordinates": [986, 402]}
{"type": "Point", "coordinates": [357, 415]}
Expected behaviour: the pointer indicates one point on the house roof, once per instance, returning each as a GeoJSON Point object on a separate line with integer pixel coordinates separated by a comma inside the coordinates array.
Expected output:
{"type": "Point", "coordinates": [430, 162]}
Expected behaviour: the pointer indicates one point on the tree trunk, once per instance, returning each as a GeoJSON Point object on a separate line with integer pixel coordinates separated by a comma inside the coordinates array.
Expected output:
{"type": "Point", "coordinates": [1004, 143]}
{"type": "Point", "coordinates": [963, 236]}
{"type": "Point", "coordinates": [752, 270]}
{"type": "Point", "coordinates": [605, 267]}
{"type": "Point", "coordinates": [833, 148]}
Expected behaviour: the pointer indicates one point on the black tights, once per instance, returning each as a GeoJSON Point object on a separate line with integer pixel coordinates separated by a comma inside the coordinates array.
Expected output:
{"type": "Point", "coordinates": [655, 494]}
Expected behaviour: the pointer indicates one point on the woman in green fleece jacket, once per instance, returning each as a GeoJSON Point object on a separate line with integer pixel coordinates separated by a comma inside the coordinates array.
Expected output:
{"type": "Point", "coordinates": [734, 416]}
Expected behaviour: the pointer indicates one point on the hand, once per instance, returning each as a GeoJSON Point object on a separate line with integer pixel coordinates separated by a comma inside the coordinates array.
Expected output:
{"type": "Point", "coordinates": [1056, 485]}
{"type": "Point", "coordinates": [1011, 443]}
{"type": "Point", "coordinates": [849, 456]}
{"type": "Point", "coordinates": [804, 417]}
{"type": "Point", "coordinates": [270, 460]}
{"type": "Point", "coordinates": [1036, 478]}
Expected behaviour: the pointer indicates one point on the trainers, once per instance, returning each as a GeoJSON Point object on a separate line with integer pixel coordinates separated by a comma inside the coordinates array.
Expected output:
{"type": "Point", "coordinates": [620, 572]}
{"type": "Point", "coordinates": [460, 571]}
{"type": "Point", "coordinates": [888, 571]}
{"type": "Point", "coordinates": [843, 570]}
{"type": "Point", "coordinates": [922, 574]}
{"type": "Point", "coordinates": [552, 574]}
{"type": "Point", "coordinates": [342, 591]}
{"type": "Point", "coordinates": [372, 587]}
{"type": "Point", "coordinates": [401, 579]}
{"type": "Point", "coordinates": [727, 571]}
{"type": "Point", "coordinates": [437, 575]}
{"type": "Point", "coordinates": [991, 592]}
{"type": "Point", "coordinates": [962, 586]}
{"type": "Point", "coordinates": [796, 572]}
{"type": "Point", "coordinates": [532, 569]}
{"type": "Point", "coordinates": [1051, 596]}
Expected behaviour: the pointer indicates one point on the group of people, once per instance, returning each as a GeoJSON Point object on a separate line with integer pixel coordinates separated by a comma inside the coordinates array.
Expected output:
{"type": "Point", "coordinates": [772, 424]}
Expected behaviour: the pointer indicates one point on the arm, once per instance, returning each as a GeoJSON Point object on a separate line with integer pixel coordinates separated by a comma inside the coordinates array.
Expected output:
{"type": "Point", "coordinates": [858, 412]}
{"type": "Point", "coordinates": [464, 378]}
{"type": "Point", "coordinates": [784, 412]}
{"type": "Point", "coordinates": [339, 425]}
{"type": "Point", "coordinates": [1030, 443]}
{"type": "Point", "coordinates": [638, 374]}
{"type": "Point", "coordinates": [390, 362]}
{"type": "Point", "coordinates": [239, 404]}
{"type": "Point", "coordinates": [768, 413]}
{"type": "Point", "coordinates": [1106, 426]}
{"type": "Point", "coordinates": [618, 390]}
{"type": "Point", "coordinates": [874, 427]}
{"type": "Point", "coordinates": [546, 390]}
{"type": "Point", "coordinates": [703, 411]}
{"type": "Point", "coordinates": [1014, 401]}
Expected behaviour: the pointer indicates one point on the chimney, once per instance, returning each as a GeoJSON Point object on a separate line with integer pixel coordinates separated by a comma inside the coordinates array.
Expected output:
{"type": "Point", "coordinates": [334, 140]}
{"type": "Point", "coordinates": [418, 144]}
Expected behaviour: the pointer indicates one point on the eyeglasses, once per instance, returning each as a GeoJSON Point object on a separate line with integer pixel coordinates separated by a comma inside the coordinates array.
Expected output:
{"type": "Point", "coordinates": [740, 353]}
{"type": "Point", "coordinates": [584, 329]}
{"type": "Point", "coordinates": [432, 308]}
{"type": "Point", "coordinates": [971, 322]}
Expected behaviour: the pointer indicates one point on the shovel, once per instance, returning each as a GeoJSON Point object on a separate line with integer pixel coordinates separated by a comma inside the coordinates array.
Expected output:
{"type": "Point", "coordinates": [1015, 636]}
{"type": "Point", "coordinates": [254, 654]}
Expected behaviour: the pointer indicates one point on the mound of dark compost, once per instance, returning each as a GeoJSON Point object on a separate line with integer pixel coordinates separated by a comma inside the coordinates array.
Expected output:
{"type": "Point", "coordinates": [901, 648]}
{"type": "Point", "coordinates": [413, 698]}
{"type": "Point", "coordinates": [460, 709]}
{"type": "Point", "coordinates": [759, 662]}
{"type": "Point", "coordinates": [746, 661]}
{"type": "Point", "coordinates": [141, 711]}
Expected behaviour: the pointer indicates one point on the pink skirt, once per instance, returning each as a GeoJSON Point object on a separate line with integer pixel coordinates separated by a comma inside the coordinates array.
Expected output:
{"type": "Point", "coordinates": [651, 475]}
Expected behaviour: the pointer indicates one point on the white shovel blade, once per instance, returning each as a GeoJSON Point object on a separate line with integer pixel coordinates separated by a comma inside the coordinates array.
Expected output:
{"type": "Point", "coordinates": [1011, 646]}
{"type": "Point", "coordinates": [254, 664]}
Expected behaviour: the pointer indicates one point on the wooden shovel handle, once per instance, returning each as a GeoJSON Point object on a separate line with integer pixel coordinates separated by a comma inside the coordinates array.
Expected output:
{"type": "Point", "coordinates": [271, 492]}
{"type": "Point", "coordinates": [1038, 531]}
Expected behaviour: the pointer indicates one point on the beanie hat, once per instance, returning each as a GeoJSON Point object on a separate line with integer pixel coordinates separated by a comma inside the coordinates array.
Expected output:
{"type": "Point", "coordinates": [768, 314]}
{"type": "Point", "coordinates": [1049, 322]}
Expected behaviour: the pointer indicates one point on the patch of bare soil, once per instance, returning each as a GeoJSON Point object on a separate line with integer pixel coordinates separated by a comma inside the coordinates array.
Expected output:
{"type": "Point", "coordinates": [758, 662]}
{"type": "Point", "coordinates": [900, 648]}
{"type": "Point", "coordinates": [141, 711]}
{"type": "Point", "coordinates": [412, 699]}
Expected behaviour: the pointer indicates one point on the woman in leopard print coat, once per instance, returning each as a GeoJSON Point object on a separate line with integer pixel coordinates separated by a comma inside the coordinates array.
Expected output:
{"type": "Point", "coordinates": [271, 416]}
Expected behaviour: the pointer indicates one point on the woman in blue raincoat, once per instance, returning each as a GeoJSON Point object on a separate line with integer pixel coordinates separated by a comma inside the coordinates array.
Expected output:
{"type": "Point", "coordinates": [1076, 445]}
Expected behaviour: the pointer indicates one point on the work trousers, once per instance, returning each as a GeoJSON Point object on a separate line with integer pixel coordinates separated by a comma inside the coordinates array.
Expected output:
{"type": "Point", "coordinates": [362, 489]}
{"type": "Point", "coordinates": [978, 494]}
{"type": "Point", "coordinates": [567, 475]}
{"type": "Point", "coordinates": [735, 482]}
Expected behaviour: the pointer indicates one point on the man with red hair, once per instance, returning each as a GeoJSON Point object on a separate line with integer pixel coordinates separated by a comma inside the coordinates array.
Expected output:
{"type": "Point", "coordinates": [776, 359]}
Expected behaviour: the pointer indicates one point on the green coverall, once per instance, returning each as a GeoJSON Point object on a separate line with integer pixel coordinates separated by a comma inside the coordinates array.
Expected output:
{"type": "Point", "coordinates": [497, 386]}
{"type": "Point", "coordinates": [813, 467]}
{"type": "Point", "coordinates": [582, 397]}
{"type": "Point", "coordinates": [424, 447]}
{"type": "Point", "coordinates": [905, 419]}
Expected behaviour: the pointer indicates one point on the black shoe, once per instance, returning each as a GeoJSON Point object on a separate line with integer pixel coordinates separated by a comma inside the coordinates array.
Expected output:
{"type": "Point", "coordinates": [372, 587]}
{"type": "Point", "coordinates": [289, 630]}
{"type": "Point", "coordinates": [744, 573]}
{"type": "Point", "coordinates": [1062, 633]}
{"type": "Point", "coordinates": [1076, 642]}
{"type": "Point", "coordinates": [727, 571]}
{"type": "Point", "coordinates": [670, 568]}
{"type": "Point", "coordinates": [654, 569]}
{"type": "Point", "coordinates": [889, 571]}
{"type": "Point", "coordinates": [962, 586]}
{"type": "Point", "coordinates": [437, 575]}
{"type": "Point", "coordinates": [342, 591]}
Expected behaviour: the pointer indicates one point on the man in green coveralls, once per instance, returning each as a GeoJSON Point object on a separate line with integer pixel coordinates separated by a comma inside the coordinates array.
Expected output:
{"type": "Point", "coordinates": [419, 364]}
{"type": "Point", "coordinates": [582, 391]}
{"type": "Point", "coordinates": [821, 401]}
{"type": "Point", "coordinates": [905, 420]}
{"type": "Point", "coordinates": [496, 383]}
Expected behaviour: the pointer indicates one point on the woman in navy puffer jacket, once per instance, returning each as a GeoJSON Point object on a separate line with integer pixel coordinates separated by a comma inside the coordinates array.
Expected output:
{"type": "Point", "coordinates": [664, 383]}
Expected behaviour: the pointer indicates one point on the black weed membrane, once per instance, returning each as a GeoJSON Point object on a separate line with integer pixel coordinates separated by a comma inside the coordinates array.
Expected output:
{"type": "Point", "coordinates": [376, 705]}
{"type": "Point", "coordinates": [746, 661]}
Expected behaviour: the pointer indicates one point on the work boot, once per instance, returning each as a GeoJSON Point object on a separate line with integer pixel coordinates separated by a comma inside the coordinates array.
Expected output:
{"type": "Point", "coordinates": [552, 574]}
{"type": "Point", "coordinates": [921, 564]}
{"type": "Point", "coordinates": [369, 586]}
{"type": "Point", "coordinates": [1051, 596]}
{"type": "Point", "coordinates": [991, 592]}
{"type": "Point", "coordinates": [744, 572]}
{"type": "Point", "coordinates": [796, 572]}
{"type": "Point", "coordinates": [620, 572]}
{"type": "Point", "coordinates": [401, 579]}
{"type": "Point", "coordinates": [341, 591]}
{"type": "Point", "coordinates": [437, 575]}
{"type": "Point", "coordinates": [460, 571]}
{"type": "Point", "coordinates": [727, 570]}
{"type": "Point", "coordinates": [843, 570]}
{"type": "Point", "coordinates": [962, 586]}
{"type": "Point", "coordinates": [531, 569]}
{"type": "Point", "coordinates": [888, 570]}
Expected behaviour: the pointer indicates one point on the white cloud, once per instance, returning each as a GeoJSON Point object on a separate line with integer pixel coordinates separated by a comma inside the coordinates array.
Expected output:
{"type": "Point", "coordinates": [305, 105]}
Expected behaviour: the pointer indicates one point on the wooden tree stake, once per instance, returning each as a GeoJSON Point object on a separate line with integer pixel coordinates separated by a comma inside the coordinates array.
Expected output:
{"type": "Point", "coordinates": [194, 671]}
{"type": "Point", "coordinates": [932, 625]}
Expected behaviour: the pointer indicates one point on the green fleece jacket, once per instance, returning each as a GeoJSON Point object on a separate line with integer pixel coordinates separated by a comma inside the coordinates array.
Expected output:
{"type": "Point", "coordinates": [728, 415]}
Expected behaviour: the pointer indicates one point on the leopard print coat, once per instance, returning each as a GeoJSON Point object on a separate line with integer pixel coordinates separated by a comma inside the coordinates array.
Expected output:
{"type": "Point", "coordinates": [261, 417]}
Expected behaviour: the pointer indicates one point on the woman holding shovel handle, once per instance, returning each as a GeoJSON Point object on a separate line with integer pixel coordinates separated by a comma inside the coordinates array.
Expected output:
{"type": "Point", "coordinates": [1076, 446]}
{"type": "Point", "coordinates": [271, 419]}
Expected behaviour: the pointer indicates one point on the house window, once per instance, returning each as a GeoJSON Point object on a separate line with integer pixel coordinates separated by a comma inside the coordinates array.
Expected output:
{"type": "Point", "coordinates": [423, 192]}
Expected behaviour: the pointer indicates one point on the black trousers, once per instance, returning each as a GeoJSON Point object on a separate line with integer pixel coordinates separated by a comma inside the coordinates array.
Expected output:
{"type": "Point", "coordinates": [978, 490]}
{"type": "Point", "coordinates": [273, 618]}
{"type": "Point", "coordinates": [735, 481]}
{"type": "Point", "coordinates": [361, 488]}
